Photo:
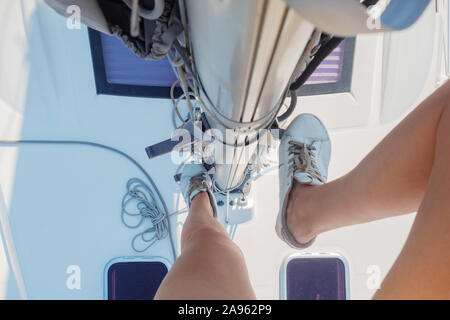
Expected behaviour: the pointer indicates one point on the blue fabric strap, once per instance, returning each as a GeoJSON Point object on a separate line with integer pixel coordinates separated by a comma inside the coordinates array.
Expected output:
{"type": "Point", "coordinates": [401, 14]}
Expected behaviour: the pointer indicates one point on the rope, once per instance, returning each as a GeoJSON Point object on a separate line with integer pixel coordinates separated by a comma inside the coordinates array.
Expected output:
{"type": "Point", "coordinates": [161, 216]}
{"type": "Point", "coordinates": [140, 194]}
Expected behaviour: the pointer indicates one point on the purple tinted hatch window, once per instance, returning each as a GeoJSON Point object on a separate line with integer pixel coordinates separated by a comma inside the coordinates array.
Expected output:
{"type": "Point", "coordinates": [315, 279]}
{"type": "Point", "coordinates": [135, 280]}
{"type": "Point", "coordinates": [122, 66]}
{"type": "Point", "coordinates": [330, 70]}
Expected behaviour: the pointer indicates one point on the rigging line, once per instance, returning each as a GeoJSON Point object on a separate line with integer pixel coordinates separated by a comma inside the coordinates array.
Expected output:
{"type": "Point", "coordinates": [8, 143]}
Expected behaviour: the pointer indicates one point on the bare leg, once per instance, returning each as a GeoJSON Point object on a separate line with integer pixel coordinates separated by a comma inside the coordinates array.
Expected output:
{"type": "Point", "coordinates": [409, 169]}
{"type": "Point", "coordinates": [211, 265]}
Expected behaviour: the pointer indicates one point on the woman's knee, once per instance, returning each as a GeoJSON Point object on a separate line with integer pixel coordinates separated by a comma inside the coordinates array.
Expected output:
{"type": "Point", "coordinates": [201, 230]}
{"type": "Point", "coordinates": [212, 240]}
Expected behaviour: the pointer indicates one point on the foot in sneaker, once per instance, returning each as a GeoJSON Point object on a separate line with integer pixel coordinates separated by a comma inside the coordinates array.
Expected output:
{"type": "Point", "coordinates": [194, 180]}
{"type": "Point", "coordinates": [304, 155]}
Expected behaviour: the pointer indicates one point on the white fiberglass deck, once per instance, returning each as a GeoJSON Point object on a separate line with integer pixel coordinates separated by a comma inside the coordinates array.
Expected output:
{"type": "Point", "coordinates": [63, 202]}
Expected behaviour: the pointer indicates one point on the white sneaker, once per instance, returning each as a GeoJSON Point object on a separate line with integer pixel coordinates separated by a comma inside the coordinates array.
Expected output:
{"type": "Point", "coordinates": [304, 153]}
{"type": "Point", "coordinates": [194, 180]}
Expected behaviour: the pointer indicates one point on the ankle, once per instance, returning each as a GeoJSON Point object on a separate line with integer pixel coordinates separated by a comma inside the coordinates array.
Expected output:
{"type": "Point", "coordinates": [202, 200]}
{"type": "Point", "coordinates": [300, 215]}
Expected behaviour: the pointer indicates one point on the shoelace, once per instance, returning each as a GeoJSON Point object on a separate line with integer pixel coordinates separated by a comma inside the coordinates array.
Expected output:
{"type": "Point", "coordinates": [302, 159]}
